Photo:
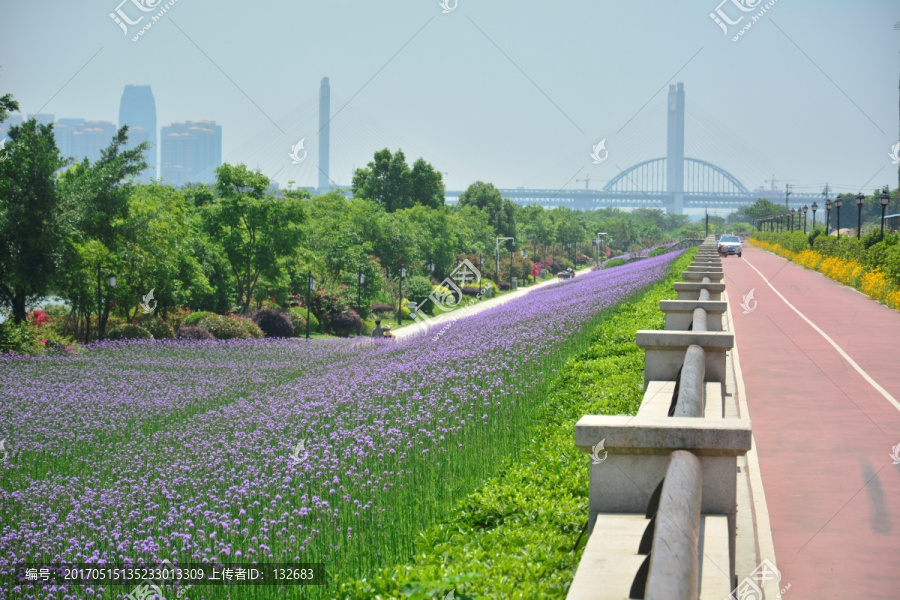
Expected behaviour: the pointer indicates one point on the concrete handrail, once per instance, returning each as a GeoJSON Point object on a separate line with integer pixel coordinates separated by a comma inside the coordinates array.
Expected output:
{"type": "Point", "coordinates": [689, 402]}
{"type": "Point", "coordinates": [674, 572]}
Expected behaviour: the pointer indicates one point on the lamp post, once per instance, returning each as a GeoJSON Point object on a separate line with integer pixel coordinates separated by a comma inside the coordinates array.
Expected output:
{"type": "Point", "coordinates": [859, 203]}
{"type": "Point", "coordinates": [815, 207]}
{"type": "Point", "coordinates": [805, 210]}
{"type": "Point", "coordinates": [827, 216]}
{"type": "Point", "coordinates": [883, 199]}
{"type": "Point", "coordinates": [793, 212]}
{"type": "Point", "coordinates": [360, 280]}
{"type": "Point", "coordinates": [838, 203]}
{"type": "Point", "coordinates": [111, 282]}
{"type": "Point", "coordinates": [310, 287]}
{"type": "Point", "coordinates": [400, 302]}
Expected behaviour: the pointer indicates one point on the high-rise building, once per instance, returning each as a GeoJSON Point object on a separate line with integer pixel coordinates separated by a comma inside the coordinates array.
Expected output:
{"type": "Point", "coordinates": [90, 138]}
{"type": "Point", "coordinates": [190, 152]}
{"type": "Point", "coordinates": [324, 134]}
{"type": "Point", "coordinates": [137, 109]}
{"type": "Point", "coordinates": [8, 124]}
{"type": "Point", "coordinates": [64, 130]}
{"type": "Point", "coordinates": [42, 118]}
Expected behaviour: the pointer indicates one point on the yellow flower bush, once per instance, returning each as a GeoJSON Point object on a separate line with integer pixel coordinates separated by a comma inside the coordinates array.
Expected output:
{"type": "Point", "coordinates": [874, 284]}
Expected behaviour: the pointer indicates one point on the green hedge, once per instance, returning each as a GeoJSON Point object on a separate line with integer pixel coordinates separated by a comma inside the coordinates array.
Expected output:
{"type": "Point", "coordinates": [514, 537]}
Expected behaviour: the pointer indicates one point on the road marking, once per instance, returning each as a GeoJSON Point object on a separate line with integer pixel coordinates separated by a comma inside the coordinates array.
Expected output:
{"type": "Point", "coordinates": [834, 344]}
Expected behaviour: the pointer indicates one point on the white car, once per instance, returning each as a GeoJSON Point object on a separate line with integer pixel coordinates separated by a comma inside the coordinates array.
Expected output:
{"type": "Point", "coordinates": [730, 244]}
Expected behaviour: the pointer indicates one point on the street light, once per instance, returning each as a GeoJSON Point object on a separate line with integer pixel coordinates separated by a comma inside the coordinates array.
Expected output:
{"type": "Point", "coordinates": [400, 303]}
{"type": "Point", "coordinates": [430, 266]}
{"type": "Point", "coordinates": [859, 202]}
{"type": "Point", "coordinates": [360, 280]}
{"type": "Point", "coordinates": [827, 216]}
{"type": "Point", "coordinates": [883, 199]}
{"type": "Point", "coordinates": [805, 210]}
{"type": "Point", "coordinates": [310, 287]}
{"type": "Point", "coordinates": [815, 207]}
{"type": "Point", "coordinates": [838, 203]}
{"type": "Point", "coordinates": [111, 282]}
{"type": "Point", "coordinates": [793, 211]}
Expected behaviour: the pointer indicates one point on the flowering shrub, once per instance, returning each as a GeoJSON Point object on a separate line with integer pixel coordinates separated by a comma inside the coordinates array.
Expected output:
{"type": "Point", "coordinates": [345, 324]}
{"type": "Point", "coordinates": [873, 282]}
{"type": "Point", "coordinates": [228, 327]}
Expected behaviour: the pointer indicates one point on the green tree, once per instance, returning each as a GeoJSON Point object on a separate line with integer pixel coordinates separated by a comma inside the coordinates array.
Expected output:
{"type": "Point", "coordinates": [501, 212]}
{"type": "Point", "coordinates": [386, 180]}
{"type": "Point", "coordinates": [257, 233]}
{"type": "Point", "coordinates": [427, 185]}
{"type": "Point", "coordinates": [31, 232]}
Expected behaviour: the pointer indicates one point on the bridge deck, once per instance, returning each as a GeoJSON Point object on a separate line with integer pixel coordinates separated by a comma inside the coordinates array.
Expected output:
{"type": "Point", "coordinates": [822, 429]}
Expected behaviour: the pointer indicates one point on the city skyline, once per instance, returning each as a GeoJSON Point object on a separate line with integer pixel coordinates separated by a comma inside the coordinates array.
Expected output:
{"type": "Point", "coordinates": [511, 93]}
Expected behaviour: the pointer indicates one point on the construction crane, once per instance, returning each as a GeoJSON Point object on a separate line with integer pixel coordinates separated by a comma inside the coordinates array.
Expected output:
{"type": "Point", "coordinates": [586, 180]}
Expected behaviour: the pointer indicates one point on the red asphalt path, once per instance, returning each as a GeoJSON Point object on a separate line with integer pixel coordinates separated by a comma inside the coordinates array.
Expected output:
{"type": "Point", "coordinates": [823, 432]}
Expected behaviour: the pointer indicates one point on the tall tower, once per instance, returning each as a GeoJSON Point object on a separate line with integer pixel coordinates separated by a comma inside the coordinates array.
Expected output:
{"type": "Point", "coordinates": [324, 134]}
{"type": "Point", "coordinates": [137, 109]}
{"type": "Point", "coordinates": [675, 150]}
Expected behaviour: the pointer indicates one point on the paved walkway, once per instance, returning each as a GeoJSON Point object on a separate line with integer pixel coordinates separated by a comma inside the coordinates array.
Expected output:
{"type": "Point", "coordinates": [825, 418]}
{"type": "Point", "coordinates": [473, 309]}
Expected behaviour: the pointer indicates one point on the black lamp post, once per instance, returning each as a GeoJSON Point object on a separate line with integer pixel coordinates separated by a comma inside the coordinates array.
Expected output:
{"type": "Point", "coordinates": [805, 210]}
{"type": "Point", "coordinates": [360, 280]}
{"type": "Point", "coordinates": [827, 216]}
{"type": "Point", "coordinates": [815, 207]}
{"type": "Point", "coordinates": [793, 212]}
{"type": "Point", "coordinates": [400, 303]}
{"type": "Point", "coordinates": [838, 203]}
{"type": "Point", "coordinates": [883, 199]}
{"type": "Point", "coordinates": [859, 202]}
{"type": "Point", "coordinates": [111, 282]}
{"type": "Point", "coordinates": [310, 287]}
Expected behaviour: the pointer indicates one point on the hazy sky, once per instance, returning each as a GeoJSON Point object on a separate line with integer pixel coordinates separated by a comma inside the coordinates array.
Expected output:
{"type": "Point", "coordinates": [511, 92]}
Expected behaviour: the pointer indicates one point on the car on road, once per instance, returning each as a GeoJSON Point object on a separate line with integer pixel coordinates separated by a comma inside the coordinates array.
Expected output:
{"type": "Point", "coordinates": [730, 244]}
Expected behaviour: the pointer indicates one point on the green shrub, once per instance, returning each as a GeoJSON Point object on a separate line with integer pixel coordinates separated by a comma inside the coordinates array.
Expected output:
{"type": "Point", "coordinates": [158, 328]}
{"type": "Point", "coordinates": [368, 325]}
{"type": "Point", "coordinates": [196, 317]}
{"type": "Point", "coordinates": [249, 327]}
{"type": "Point", "coordinates": [128, 331]}
{"type": "Point", "coordinates": [192, 332]}
{"type": "Point", "coordinates": [298, 318]}
{"type": "Point", "coordinates": [417, 289]}
{"type": "Point", "coordinates": [345, 324]}
{"type": "Point", "coordinates": [20, 339]}
{"type": "Point", "coordinates": [225, 327]}
{"type": "Point", "coordinates": [614, 262]}
{"type": "Point", "coordinates": [658, 251]}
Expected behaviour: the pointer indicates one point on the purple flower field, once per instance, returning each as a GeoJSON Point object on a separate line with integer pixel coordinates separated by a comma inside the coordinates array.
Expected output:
{"type": "Point", "coordinates": [191, 451]}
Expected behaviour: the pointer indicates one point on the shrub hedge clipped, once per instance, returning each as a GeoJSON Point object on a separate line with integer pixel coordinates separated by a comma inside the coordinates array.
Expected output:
{"type": "Point", "coordinates": [274, 323]}
{"type": "Point", "coordinates": [195, 317]}
{"type": "Point", "coordinates": [192, 332]}
{"type": "Point", "coordinates": [158, 328]}
{"type": "Point", "coordinates": [129, 331]}
{"type": "Point", "coordinates": [417, 289]}
{"type": "Point", "coordinates": [229, 327]}
{"type": "Point", "coordinates": [345, 324]}
{"type": "Point", "coordinates": [298, 318]}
